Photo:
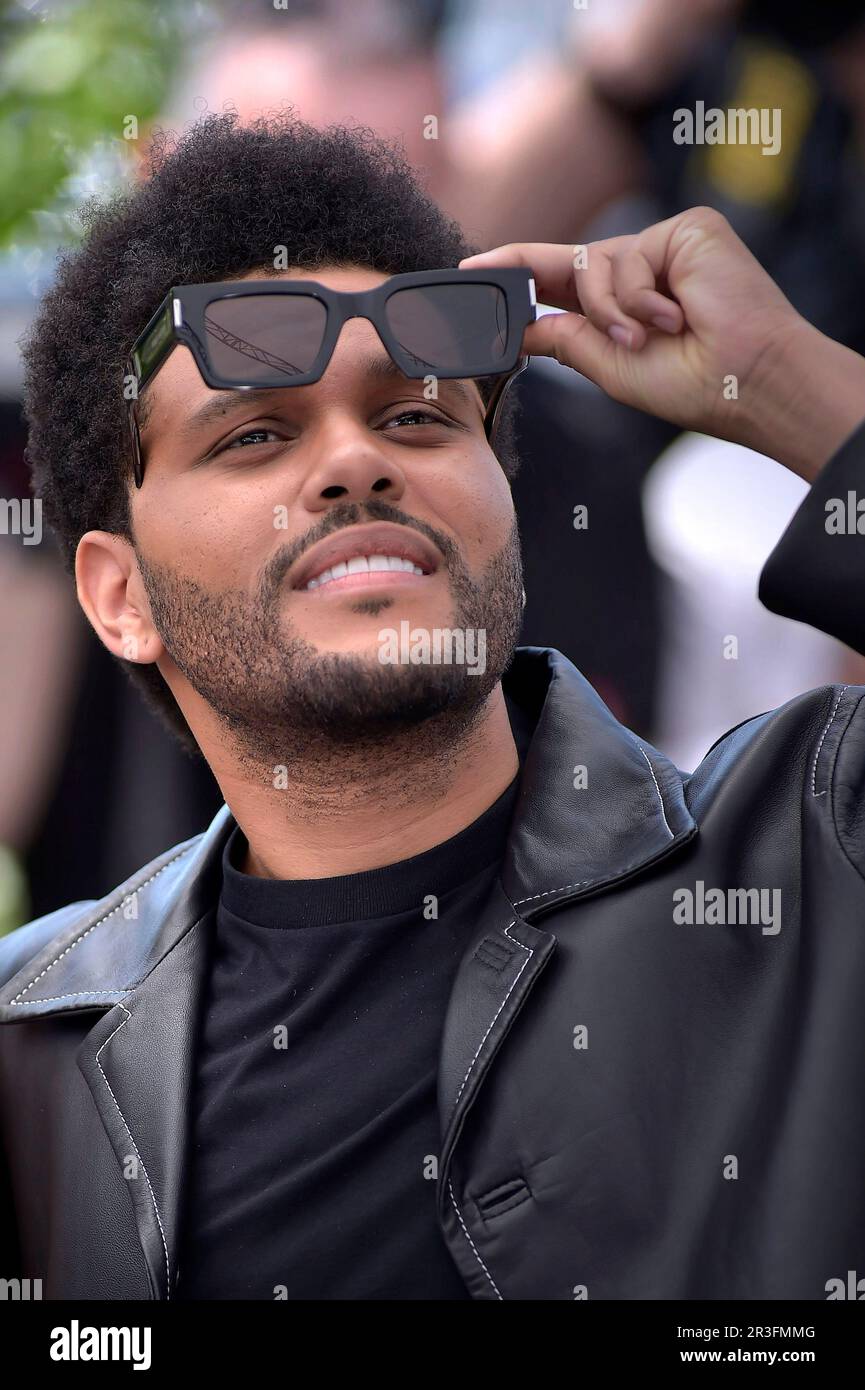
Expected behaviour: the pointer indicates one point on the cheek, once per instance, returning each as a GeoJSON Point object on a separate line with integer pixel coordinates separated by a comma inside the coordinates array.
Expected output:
{"type": "Point", "coordinates": [222, 539]}
{"type": "Point", "coordinates": [472, 498]}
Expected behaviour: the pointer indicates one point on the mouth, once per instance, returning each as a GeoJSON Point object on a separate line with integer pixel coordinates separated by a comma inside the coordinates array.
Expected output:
{"type": "Point", "coordinates": [380, 556]}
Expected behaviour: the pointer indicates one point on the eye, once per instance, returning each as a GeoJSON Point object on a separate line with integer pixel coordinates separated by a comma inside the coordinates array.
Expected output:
{"type": "Point", "coordinates": [425, 417]}
{"type": "Point", "coordinates": [256, 434]}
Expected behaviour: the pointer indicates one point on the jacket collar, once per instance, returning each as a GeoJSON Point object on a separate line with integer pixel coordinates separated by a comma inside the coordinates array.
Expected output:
{"type": "Point", "coordinates": [596, 804]}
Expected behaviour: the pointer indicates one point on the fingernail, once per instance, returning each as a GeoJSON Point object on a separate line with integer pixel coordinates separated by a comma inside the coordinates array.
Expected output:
{"type": "Point", "coordinates": [669, 325]}
{"type": "Point", "coordinates": [620, 335]}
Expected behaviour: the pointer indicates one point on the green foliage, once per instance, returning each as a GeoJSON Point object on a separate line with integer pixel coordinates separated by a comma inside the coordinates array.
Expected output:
{"type": "Point", "coordinates": [14, 900]}
{"type": "Point", "coordinates": [71, 76]}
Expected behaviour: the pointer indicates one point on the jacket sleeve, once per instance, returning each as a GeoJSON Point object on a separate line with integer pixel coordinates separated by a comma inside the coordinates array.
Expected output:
{"type": "Point", "coordinates": [816, 573]}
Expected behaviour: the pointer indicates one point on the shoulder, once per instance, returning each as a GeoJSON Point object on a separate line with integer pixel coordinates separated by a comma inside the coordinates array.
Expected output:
{"type": "Point", "coordinates": [25, 943]}
{"type": "Point", "coordinates": [22, 944]}
{"type": "Point", "coordinates": [812, 747]}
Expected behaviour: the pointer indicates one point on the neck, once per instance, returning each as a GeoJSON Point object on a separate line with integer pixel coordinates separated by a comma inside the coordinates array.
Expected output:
{"type": "Point", "coordinates": [362, 809]}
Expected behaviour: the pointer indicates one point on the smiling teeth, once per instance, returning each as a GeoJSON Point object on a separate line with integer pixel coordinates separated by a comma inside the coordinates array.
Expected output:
{"type": "Point", "coordinates": [359, 563]}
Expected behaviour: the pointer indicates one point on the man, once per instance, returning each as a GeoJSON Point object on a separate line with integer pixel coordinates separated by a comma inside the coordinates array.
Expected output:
{"type": "Point", "coordinates": [466, 992]}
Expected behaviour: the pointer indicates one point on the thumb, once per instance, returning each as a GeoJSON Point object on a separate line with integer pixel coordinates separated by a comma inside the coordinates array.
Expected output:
{"type": "Point", "coordinates": [575, 342]}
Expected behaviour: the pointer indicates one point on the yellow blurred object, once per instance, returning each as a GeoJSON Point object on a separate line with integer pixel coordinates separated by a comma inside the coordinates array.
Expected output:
{"type": "Point", "coordinates": [771, 78]}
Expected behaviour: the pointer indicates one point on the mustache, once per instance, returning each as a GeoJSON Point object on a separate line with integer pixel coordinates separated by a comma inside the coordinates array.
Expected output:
{"type": "Point", "coordinates": [346, 514]}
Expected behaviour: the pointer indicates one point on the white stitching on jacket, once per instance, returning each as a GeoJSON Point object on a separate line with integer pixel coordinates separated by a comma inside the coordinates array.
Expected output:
{"type": "Point", "coordinates": [120, 1025]}
{"type": "Point", "coordinates": [564, 886]}
{"type": "Point", "coordinates": [529, 953]}
{"type": "Point", "coordinates": [471, 1242]}
{"type": "Point", "coordinates": [583, 881]}
{"type": "Point", "coordinates": [93, 927]}
{"type": "Point", "coordinates": [657, 789]}
{"type": "Point", "coordinates": [829, 723]}
{"type": "Point", "coordinates": [74, 994]}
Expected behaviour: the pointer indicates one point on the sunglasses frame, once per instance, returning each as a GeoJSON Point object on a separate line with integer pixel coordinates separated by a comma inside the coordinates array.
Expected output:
{"type": "Point", "coordinates": [180, 318]}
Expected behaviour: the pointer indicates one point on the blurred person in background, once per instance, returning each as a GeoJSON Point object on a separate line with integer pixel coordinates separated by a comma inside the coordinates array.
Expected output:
{"type": "Point", "coordinates": [600, 102]}
{"type": "Point", "coordinates": [38, 668]}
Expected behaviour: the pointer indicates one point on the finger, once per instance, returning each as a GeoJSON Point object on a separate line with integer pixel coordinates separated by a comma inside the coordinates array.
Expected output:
{"type": "Point", "coordinates": [573, 340]}
{"type": "Point", "coordinates": [691, 232]}
{"type": "Point", "coordinates": [634, 287]}
{"type": "Point", "coordinates": [599, 301]}
{"type": "Point", "coordinates": [551, 264]}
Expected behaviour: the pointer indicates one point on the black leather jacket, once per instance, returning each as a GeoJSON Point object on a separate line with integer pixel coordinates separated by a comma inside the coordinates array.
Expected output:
{"type": "Point", "coordinates": [633, 1106]}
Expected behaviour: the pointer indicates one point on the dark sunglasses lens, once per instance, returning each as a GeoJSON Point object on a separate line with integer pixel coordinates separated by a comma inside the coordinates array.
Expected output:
{"type": "Point", "coordinates": [451, 328]}
{"type": "Point", "coordinates": [264, 337]}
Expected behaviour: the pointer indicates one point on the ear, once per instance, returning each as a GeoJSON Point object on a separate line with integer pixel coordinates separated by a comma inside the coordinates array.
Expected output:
{"type": "Point", "coordinates": [112, 595]}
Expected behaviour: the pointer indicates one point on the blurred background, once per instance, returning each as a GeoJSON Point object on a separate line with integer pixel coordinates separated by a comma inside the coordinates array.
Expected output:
{"type": "Point", "coordinates": [553, 122]}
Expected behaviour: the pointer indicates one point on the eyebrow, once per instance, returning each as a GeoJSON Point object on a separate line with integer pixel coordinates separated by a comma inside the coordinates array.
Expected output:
{"type": "Point", "coordinates": [222, 403]}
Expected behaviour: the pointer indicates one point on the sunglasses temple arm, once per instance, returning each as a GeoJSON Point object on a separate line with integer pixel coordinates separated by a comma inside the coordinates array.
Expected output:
{"type": "Point", "coordinates": [497, 400]}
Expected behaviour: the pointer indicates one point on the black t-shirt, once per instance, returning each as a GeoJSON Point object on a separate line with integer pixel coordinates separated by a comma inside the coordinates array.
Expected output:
{"type": "Point", "coordinates": [315, 1130]}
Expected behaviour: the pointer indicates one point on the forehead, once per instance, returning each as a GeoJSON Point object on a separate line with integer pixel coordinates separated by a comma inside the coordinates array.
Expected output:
{"type": "Point", "coordinates": [336, 277]}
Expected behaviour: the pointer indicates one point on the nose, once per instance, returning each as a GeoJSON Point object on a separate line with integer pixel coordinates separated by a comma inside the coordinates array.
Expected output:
{"type": "Point", "coordinates": [350, 467]}
{"type": "Point", "coordinates": [350, 462]}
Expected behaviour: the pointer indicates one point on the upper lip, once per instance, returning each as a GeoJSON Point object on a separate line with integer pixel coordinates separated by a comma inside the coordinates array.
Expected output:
{"type": "Point", "coordinates": [378, 538]}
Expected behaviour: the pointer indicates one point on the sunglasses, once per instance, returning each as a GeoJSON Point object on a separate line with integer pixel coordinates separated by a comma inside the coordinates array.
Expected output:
{"type": "Point", "coordinates": [261, 334]}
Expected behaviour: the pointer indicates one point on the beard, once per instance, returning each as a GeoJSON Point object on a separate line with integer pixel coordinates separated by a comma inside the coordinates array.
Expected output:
{"type": "Point", "coordinates": [285, 702]}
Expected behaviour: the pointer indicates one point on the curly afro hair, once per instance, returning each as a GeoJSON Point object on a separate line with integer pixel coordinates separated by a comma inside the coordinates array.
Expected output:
{"type": "Point", "coordinates": [215, 202]}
